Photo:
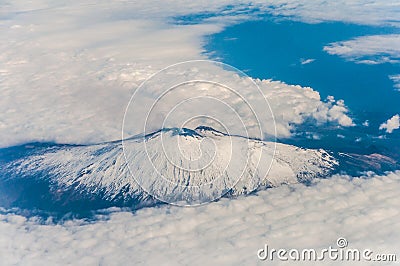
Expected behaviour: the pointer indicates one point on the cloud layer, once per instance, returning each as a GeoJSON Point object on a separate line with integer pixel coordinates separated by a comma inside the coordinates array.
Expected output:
{"type": "Point", "coordinates": [70, 80]}
{"type": "Point", "coordinates": [226, 232]}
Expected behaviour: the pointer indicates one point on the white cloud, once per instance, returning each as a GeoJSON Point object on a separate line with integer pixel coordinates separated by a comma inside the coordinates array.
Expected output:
{"type": "Point", "coordinates": [373, 49]}
{"type": "Point", "coordinates": [306, 61]}
{"type": "Point", "coordinates": [396, 81]}
{"type": "Point", "coordinates": [70, 80]}
{"type": "Point", "coordinates": [354, 11]}
{"type": "Point", "coordinates": [293, 104]}
{"type": "Point", "coordinates": [391, 124]}
{"type": "Point", "coordinates": [227, 232]}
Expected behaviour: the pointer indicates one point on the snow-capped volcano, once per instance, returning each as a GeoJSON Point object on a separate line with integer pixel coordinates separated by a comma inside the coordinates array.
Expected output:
{"type": "Point", "coordinates": [176, 165]}
{"type": "Point", "coordinates": [195, 166]}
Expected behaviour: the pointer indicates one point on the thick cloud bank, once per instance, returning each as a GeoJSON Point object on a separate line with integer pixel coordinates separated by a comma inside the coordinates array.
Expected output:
{"type": "Point", "coordinates": [70, 80]}
{"type": "Point", "coordinates": [362, 210]}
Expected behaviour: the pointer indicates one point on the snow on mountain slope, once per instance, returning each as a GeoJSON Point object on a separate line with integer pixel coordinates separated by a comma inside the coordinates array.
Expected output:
{"type": "Point", "coordinates": [181, 166]}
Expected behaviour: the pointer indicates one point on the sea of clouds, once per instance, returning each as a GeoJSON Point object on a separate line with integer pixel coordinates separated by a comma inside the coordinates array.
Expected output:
{"type": "Point", "coordinates": [363, 210]}
{"type": "Point", "coordinates": [67, 71]}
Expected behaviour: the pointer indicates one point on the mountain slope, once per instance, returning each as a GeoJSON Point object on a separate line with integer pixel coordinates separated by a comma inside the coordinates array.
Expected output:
{"type": "Point", "coordinates": [180, 166]}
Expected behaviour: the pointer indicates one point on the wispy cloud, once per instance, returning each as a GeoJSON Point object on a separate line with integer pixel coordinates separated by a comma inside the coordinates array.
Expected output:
{"type": "Point", "coordinates": [396, 81]}
{"type": "Point", "coordinates": [373, 49]}
{"type": "Point", "coordinates": [306, 61]}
